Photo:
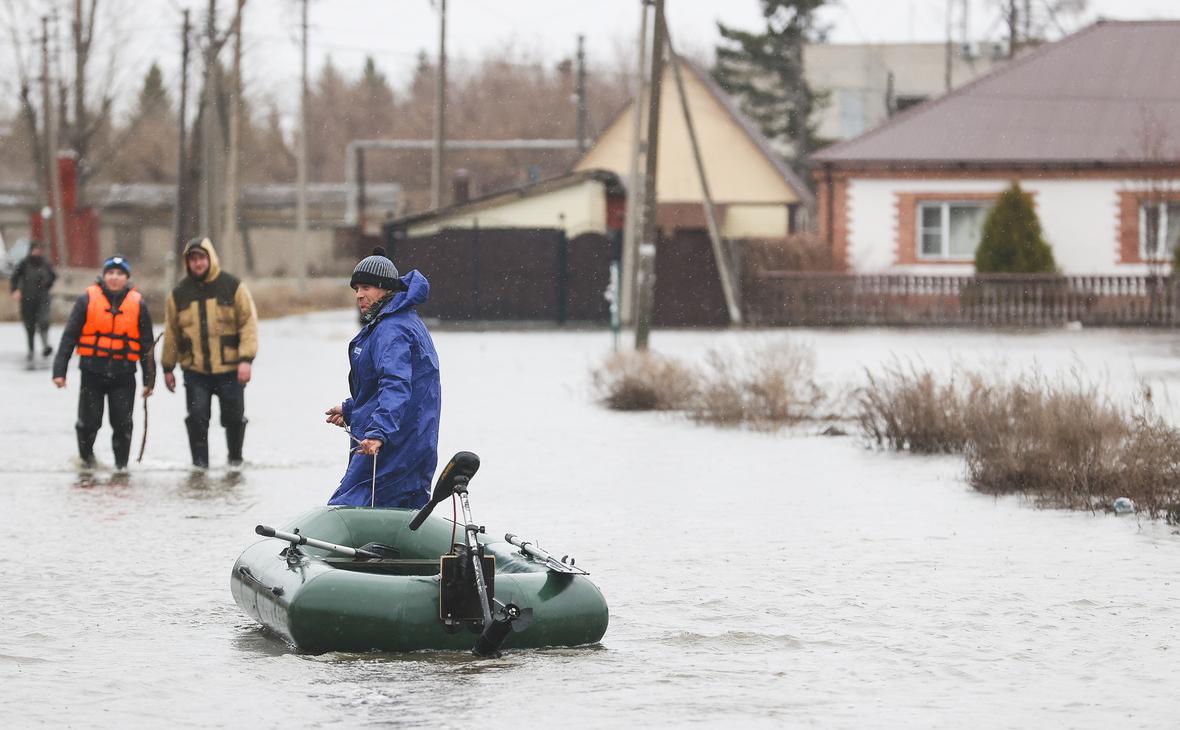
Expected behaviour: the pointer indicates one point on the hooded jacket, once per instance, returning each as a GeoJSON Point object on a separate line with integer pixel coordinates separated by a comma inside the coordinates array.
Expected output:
{"type": "Point", "coordinates": [33, 277]}
{"type": "Point", "coordinates": [210, 324]}
{"type": "Point", "coordinates": [396, 397]}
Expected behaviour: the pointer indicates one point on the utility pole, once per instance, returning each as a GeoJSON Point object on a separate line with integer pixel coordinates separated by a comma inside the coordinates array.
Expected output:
{"type": "Point", "coordinates": [301, 169]}
{"type": "Point", "coordinates": [729, 283]}
{"type": "Point", "coordinates": [581, 94]}
{"type": "Point", "coordinates": [1012, 28]}
{"type": "Point", "coordinates": [180, 210]}
{"type": "Point", "coordinates": [58, 248]}
{"type": "Point", "coordinates": [647, 247]}
{"type": "Point", "coordinates": [209, 125]}
{"type": "Point", "coordinates": [229, 235]}
{"type": "Point", "coordinates": [440, 110]}
{"type": "Point", "coordinates": [633, 223]}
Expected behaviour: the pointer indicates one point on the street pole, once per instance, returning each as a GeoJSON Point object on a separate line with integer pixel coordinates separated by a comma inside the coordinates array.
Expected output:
{"type": "Point", "coordinates": [581, 95]}
{"type": "Point", "coordinates": [440, 110]}
{"type": "Point", "coordinates": [229, 236]}
{"type": "Point", "coordinates": [633, 222]}
{"type": "Point", "coordinates": [301, 169]}
{"type": "Point", "coordinates": [647, 249]}
{"type": "Point", "coordinates": [58, 249]}
{"type": "Point", "coordinates": [208, 125]}
{"type": "Point", "coordinates": [180, 209]}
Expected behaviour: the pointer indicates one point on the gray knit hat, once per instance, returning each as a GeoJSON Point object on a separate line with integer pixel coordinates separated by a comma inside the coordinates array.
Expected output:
{"type": "Point", "coordinates": [376, 270]}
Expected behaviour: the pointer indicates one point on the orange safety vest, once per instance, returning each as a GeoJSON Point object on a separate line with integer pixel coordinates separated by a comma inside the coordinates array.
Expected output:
{"type": "Point", "coordinates": [108, 332]}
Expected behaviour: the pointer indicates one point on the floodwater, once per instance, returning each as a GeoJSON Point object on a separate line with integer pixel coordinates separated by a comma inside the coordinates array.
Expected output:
{"type": "Point", "coordinates": [753, 579]}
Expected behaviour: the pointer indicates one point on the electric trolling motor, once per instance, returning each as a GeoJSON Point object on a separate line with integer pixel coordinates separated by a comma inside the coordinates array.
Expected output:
{"type": "Point", "coordinates": [468, 575]}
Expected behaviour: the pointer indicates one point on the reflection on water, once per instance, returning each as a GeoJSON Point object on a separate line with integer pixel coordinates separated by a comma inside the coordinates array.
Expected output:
{"type": "Point", "coordinates": [856, 589]}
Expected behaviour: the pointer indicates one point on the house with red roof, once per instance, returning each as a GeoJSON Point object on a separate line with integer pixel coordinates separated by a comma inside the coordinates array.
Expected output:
{"type": "Point", "coordinates": [1089, 126]}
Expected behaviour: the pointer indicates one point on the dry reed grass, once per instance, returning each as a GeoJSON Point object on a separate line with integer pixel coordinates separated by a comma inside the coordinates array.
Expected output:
{"type": "Point", "coordinates": [634, 381]}
{"type": "Point", "coordinates": [1060, 444]}
{"type": "Point", "coordinates": [761, 387]}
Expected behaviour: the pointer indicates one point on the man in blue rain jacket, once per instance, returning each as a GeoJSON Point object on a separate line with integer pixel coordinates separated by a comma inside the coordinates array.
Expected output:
{"type": "Point", "coordinates": [394, 409]}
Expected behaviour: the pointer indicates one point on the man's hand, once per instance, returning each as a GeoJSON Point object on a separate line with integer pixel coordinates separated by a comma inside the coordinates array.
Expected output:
{"type": "Point", "coordinates": [170, 382]}
{"type": "Point", "coordinates": [16, 295]}
{"type": "Point", "coordinates": [369, 446]}
{"type": "Point", "coordinates": [243, 372]}
{"type": "Point", "coordinates": [59, 382]}
{"type": "Point", "coordinates": [147, 391]}
{"type": "Point", "coordinates": [335, 416]}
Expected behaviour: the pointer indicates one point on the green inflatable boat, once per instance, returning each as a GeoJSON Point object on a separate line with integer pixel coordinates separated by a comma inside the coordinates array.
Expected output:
{"type": "Point", "coordinates": [361, 579]}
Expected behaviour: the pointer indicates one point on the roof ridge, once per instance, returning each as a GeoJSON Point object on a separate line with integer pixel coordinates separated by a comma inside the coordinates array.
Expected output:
{"type": "Point", "coordinates": [920, 109]}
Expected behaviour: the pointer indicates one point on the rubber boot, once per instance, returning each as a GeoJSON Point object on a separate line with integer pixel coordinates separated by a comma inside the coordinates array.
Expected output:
{"type": "Point", "coordinates": [235, 435]}
{"type": "Point", "coordinates": [121, 445]}
{"type": "Point", "coordinates": [198, 444]}
{"type": "Point", "coordinates": [86, 447]}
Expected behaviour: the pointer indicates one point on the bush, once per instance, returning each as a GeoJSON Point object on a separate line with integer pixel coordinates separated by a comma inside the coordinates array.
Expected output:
{"type": "Point", "coordinates": [909, 410]}
{"type": "Point", "coordinates": [635, 381]}
{"type": "Point", "coordinates": [1061, 445]}
{"type": "Point", "coordinates": [1012, 241]}
{"type": "Point", "coordinates": [763, 386]}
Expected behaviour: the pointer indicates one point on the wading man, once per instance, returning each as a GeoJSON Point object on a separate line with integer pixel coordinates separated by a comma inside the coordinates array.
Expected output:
{"type": "Point", "coordinates": [393, 411]}
{"type": "Point", "coordinates": [112, 330]}
{"type": "Point", "coordinates": [211, 331]}
{"type": "Point", "coordinates": [30, 286]}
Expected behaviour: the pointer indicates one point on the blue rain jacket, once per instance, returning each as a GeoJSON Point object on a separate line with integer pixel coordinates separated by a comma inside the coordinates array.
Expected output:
{"type": "Point", "coordinates": [396, 397]}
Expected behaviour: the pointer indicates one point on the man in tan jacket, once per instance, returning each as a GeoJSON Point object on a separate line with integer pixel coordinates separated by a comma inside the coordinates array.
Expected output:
{"type": "Point", "coordinates": [211, 331]}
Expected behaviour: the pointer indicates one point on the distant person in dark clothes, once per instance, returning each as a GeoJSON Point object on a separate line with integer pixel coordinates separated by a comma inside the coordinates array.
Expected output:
{"type": "Point", "coordinates": [112, 330]}
{"type": "Point", "coordinates": [211, 331]}
{"type": "Point", "coordinates": [393, 410]}
{"type": "Point", "coordinates": [30, 286]}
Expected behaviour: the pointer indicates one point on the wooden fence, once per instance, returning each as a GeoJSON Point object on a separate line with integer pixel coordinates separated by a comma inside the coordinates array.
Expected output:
{"type": "Point", "coordinates": [1035, 300]}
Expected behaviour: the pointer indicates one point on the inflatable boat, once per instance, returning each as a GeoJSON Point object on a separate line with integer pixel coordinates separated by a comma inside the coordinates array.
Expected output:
{"type": "Point", "coordinates": [361, 579]}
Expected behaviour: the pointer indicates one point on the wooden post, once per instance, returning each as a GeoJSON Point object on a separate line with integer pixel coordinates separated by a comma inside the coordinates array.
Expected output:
{"type": "Point", "coordinates": [720, 251]}
{"type": "Point", "coordinates": [440, 111]}
{"type": "Point", "coordinates": [229, 236]}
{"type": "Point", "coordinates": [180, 209]}
{"type": "Point", "coordinates": [301, 167]}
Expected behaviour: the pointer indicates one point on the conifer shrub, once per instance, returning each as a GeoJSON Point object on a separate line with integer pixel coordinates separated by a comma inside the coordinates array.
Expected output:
{"type": "Point", "coordinates": [1012, 241]}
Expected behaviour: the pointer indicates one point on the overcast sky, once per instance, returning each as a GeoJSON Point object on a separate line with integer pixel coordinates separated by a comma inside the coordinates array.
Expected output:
{"type": "Point", "coordinates": [394, 31]}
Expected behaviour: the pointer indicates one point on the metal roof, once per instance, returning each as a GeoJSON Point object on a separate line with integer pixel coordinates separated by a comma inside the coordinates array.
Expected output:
{"type": "Point", "coordinates": [1107, 94]}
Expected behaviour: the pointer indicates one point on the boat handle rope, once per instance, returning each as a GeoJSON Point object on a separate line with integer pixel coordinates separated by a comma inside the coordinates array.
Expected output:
{"type": "Point", "coordinates": [373, 488]}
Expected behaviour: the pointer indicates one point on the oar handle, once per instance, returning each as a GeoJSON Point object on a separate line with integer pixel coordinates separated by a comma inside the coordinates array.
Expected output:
{"type": "Point", "coordinates": [536, 553]}
{"type": "Point", "coordinates": [296, 539]}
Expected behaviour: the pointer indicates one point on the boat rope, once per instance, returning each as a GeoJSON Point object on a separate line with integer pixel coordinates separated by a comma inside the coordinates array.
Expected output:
{"type": "Point", "coordinates": [373, 487]}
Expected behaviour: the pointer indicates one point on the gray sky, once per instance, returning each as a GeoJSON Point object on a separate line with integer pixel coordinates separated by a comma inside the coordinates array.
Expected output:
{"type": "Point", "coordinates": [393, 31]}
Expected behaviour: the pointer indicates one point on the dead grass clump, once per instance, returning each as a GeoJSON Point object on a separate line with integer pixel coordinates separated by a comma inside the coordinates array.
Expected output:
{"type": "Point", "coordinates": [1059, 444]}
{"type": "Point", "coordinates": [763, 386]}
{"type": "Point", "coordinates": [910, 410]}
{"type": "Point", "coordinates": [634, 381]}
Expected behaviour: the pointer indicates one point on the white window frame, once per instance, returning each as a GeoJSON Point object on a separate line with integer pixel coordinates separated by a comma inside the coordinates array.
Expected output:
{"type": "Point", "coordinates": [945, 228]}
{"type": "Point", "coordinates": [1161, 233]}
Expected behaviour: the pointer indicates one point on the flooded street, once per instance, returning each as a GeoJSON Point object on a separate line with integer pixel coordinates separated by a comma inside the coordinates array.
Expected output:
{"type": "Point", "coordinates": [753, 579]}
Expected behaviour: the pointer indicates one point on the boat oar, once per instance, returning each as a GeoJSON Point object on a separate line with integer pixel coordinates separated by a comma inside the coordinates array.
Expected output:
{"type": "Point", "coordinates": [536, 553]}
{"type": "Point", "coordinates": [331, 547]}
{"type": "Point", "coordinates": [143, 441]}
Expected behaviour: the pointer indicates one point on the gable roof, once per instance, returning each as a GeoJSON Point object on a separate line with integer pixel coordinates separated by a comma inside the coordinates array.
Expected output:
{"type": "Point", "coordinates": [1106, 94]}
{"type": "Point", "coordinates": [735, 114]}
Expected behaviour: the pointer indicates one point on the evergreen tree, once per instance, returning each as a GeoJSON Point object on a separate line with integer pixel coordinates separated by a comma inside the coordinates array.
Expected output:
{"type": "Point", "coordinates": [1012, 241]}
{"type": "Point", "coordinates": [153, 97]}
{"type": "Point", "coordinates": [764, 71]}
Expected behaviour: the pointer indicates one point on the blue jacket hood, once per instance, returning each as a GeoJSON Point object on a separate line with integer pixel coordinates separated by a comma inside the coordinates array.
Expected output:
{"type": "Point", "coordinates": [416, 292]}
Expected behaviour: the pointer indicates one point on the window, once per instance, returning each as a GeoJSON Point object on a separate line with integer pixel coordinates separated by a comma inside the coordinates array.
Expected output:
{"type": "Point", "coordinates": [950, 230]}
{"type": "Point", "coordinates": [1159, 230]}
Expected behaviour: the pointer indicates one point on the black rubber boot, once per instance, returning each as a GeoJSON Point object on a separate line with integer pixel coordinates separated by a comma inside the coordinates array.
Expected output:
{"type": "Point", "coordinates": [235, 435]}
{"type": "Point", "coordinates": [198, 444]}
{"type": "Point", "coordinates": [86, 447]}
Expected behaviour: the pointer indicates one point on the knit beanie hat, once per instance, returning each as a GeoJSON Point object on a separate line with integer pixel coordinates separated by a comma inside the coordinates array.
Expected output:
{"type": "Point", "coordinates": [376, 270]}
{"type": "Point", "coordinates": [118, 261]}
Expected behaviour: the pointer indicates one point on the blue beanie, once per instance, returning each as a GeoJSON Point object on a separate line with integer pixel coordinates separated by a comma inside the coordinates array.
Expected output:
{"type": "Point", "coordinates": [117, 262]}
